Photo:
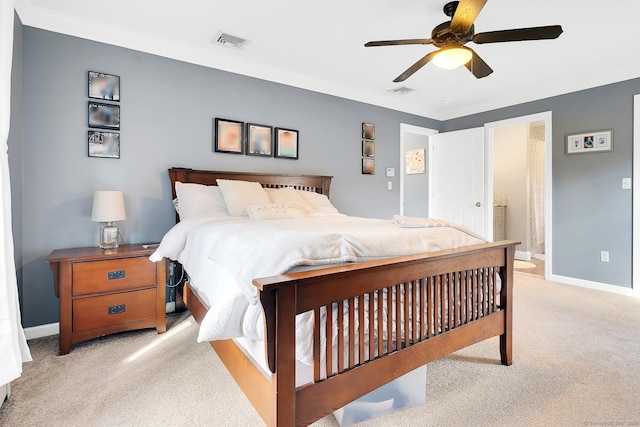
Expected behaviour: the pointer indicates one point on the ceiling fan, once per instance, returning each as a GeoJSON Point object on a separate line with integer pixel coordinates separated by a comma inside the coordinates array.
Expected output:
{"type": "Point", "coordinates": [451, 36]}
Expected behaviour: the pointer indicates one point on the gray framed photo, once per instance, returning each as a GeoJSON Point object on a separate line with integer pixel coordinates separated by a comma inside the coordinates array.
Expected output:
{"type": "Point", "coordinates": [590, 142]}
{"type": "Point", "coordinates": [368, 131]}
{"type": "Point", "coordinates": [287, 143]}
{"type": "Point", "coordinates": [104, 86]}
{"type": "Point", "coordinates": [368, 166]}
{"type": "Point", "coordinates": [228, 136]}
{"type": "Point", "coordinates": [104, 144]}
{"type": "Point", "coordinates": [104, 116]}
{"type": "Point", "coordinates": [368, 148]}
{"type": "Point", "coordinates": [259, 140]}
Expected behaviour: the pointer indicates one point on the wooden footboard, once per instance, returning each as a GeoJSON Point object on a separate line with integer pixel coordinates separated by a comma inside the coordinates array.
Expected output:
{"type": "Point", "coordinates": [410, 311]}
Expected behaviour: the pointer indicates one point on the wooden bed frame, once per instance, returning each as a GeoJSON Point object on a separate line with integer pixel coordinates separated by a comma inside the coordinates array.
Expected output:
{"type": "Point", "coordinates": [434, 304]}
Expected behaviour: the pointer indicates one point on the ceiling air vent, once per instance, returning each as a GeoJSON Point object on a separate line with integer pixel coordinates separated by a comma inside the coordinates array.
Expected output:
{"type": "Point", "coordinates": [402, 90]}
{"type": "Point", "coordinates": [232, 42]}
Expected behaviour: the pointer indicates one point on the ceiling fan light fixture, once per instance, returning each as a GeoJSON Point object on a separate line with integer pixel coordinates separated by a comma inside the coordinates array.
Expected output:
{"type": "Point", "coordinates": [452, 58]}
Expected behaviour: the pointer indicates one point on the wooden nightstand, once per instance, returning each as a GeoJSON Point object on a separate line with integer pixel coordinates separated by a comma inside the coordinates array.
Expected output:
{"type": "Point", "coordinates": [104, 291]}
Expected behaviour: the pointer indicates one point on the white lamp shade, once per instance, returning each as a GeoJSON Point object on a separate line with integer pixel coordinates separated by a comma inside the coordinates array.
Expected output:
{"type": "Point", "coordinates": [108, 206]}
{"type": "Point", "coordinates": [451, 58]}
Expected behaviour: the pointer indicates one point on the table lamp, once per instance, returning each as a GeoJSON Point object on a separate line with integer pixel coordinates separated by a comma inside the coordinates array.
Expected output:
{"type": "Point", "coordinates": [108, 207]}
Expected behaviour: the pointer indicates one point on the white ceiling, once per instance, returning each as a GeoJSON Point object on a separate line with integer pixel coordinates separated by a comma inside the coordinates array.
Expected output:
{"type": "Point", "coordinates": [319, 45]}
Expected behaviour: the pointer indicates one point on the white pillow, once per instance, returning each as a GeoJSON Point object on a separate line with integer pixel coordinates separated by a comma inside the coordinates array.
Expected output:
{"type": "Point", "coordinates": [238, 194]}
{"type": "Point", "coordinates": [288, 195]}
{"type": "Point", "coordinates": [319, 203]}
{"type": "Point", "coordinates": [274, 211]}
{"type": "Point", "coordinates": [198, 201]}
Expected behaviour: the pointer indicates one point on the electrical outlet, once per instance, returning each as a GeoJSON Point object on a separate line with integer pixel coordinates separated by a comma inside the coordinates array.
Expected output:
{"type": "Point", "coordinates": [604, 256]}
{"type": "Point", "coordinates": [170, 307]}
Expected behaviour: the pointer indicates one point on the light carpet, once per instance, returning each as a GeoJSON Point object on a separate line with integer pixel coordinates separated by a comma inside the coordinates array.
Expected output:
{"type": "Point", "coordinates": [576, 363]}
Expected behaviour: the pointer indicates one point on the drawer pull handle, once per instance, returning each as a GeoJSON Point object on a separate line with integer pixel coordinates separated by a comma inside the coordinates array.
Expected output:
{"type": "Point", "coordinates": [116, 309]}
{"type": "Point", "coordinates": [119, 274]}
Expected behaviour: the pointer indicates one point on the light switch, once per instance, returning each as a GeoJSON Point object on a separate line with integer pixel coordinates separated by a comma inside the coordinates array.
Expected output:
{"type": "Point", "coordinates": [626, 183]}
{"type": "Point", "coordinates": [389, 185]}
{"type": "Point", "coordinates": [391, 172]}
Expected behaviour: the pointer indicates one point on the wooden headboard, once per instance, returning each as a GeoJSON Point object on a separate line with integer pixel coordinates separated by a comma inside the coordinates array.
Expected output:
{"type": "Point", "coordinates": [318, 183]}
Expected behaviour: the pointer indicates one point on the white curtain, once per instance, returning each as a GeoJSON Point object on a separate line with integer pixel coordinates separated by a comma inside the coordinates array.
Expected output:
{"type": "Point", "coordinates": [536, 191]}
{"type": "Point", "coordinates": [13, 345]}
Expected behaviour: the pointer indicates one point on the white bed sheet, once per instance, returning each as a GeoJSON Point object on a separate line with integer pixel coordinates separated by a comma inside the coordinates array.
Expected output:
{"type": "Point", "coordinates": [222, 256]}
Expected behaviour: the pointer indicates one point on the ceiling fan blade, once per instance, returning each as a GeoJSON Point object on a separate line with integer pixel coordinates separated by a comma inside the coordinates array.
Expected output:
{"type": "Point", "coordinates": [398, 42]}
{"type": "Point", "coordinates": [415, 67]}
{"type": "Point", "coordinates": [477, 66]}
{"type": "Point", "coordinates": [520, 34]}
{"type": "Point", "coordinates": [466, 12]}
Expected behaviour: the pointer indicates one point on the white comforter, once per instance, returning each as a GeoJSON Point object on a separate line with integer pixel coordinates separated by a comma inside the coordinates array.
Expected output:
{"type": "Point", "coordinates": [223, 256]}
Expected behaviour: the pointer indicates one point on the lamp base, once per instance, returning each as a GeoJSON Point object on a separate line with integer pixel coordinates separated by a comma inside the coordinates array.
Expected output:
{"type": "Point", "coordinates": [109, 236]}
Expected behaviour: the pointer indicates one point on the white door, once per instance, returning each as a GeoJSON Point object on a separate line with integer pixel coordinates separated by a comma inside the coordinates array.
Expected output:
{"type": "Point", "coordinates": [457, 178]}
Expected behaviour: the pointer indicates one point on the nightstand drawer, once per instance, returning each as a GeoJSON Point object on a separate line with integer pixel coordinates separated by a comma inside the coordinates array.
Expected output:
{"type": "Point", "coordinates": [112, 275]}
{"type": "Point", "coordinates": [108, 310]}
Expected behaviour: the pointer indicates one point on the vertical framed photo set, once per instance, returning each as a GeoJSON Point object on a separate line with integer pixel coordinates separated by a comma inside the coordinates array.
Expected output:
{"type": "Point", "coordinates": [104, 144]}
{"type": "Point", "coordinates": [590, 142]}
{"type": "Point", "coordinates": [259, 140]}
{"type": "Point", "coordinates": [228, 136]}
{"type": "Point", "coordinates": [287, 141]}
{"type": "Point", "coordinates": [368, 166]}
{"type": "Point", "coordinates": [104, 86]}
{"type": "Point", "coordinates": [104, 116]}
{"type": "Point", "coordinates": [368, 131]}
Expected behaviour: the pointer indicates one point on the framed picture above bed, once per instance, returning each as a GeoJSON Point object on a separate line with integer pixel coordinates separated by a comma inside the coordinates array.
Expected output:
{"type": "Point", "coordinates": [287, 143]}
{"type": "Point", "coordinates": [228, 136]}
{"type": "Point", "coordinates": [259, 140]}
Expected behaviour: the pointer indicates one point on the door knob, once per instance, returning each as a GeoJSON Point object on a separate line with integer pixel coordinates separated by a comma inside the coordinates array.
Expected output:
{"type": "Point", "coordinates": [478, 204]}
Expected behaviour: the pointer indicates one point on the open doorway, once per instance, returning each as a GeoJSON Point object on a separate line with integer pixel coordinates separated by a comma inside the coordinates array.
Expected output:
{"type": "Point", "coordinates": [414, 187]}
{"type": "Point", "coordinates": [521, 186]}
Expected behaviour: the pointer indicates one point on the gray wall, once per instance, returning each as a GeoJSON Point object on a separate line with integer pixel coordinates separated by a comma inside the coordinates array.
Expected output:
{"type": "Point", "coordinates": [15, 150]}
{"type": "Point", "coordinates": [167, 109]}
{"type": "Point", "coordinates": [590, 210]}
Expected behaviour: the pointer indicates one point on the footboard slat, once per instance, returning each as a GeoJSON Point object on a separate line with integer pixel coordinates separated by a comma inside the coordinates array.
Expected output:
{"type": "Point", "coordinates": [329, 340]}
{"type": "Point", "coordinates": [351, 328]}
{"type": "Point", "coordinates": [372, 331]}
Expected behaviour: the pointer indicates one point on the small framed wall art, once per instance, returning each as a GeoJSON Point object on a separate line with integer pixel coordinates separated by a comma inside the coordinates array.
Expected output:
{"type": "Point", "coordinates": [414, 161]}
{"type": "Point", "coordinates": [104, 116]}
{"type": "Point", "coordinates": [368, 131]}
{"type": "Point", "coordinates": [368, 166]}
{"type": "Point", "coordinates": [228, 136]}
{"type": "Point", "coordinates": [287, 141]}
{"type": "Point", "coordinates": [104, 144]}
{"type": "Point", "coordinates": [259, 140]}
{"type": "Point", "coordinates": [590, 142]}
{"type": "Point", "coordinates": [104, 86]}
{"type": "Point", "coordinates": [368, 148]}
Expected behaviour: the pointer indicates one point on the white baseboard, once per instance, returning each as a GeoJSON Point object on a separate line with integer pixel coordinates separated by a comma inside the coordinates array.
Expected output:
{"type": "Point", "coordinates": [42, 331]}
{"type": "Point", "coordinates": [523, 256]}
{"type": "Point", "coordinates": [594, 285]}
